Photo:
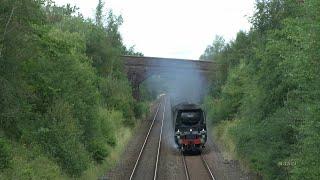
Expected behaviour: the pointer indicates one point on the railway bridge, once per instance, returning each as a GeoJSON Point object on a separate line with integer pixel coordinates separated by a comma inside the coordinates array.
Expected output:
{"type": "Point", "coordinates": [139, 69]}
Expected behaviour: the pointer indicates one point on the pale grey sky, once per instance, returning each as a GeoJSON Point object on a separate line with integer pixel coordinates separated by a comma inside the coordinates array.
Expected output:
{"type": "Point", "coordinates": [174, 28]}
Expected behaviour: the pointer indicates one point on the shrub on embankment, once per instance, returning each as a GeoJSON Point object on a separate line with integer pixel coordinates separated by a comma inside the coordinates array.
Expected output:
{"type": "Point", "coordinates": [63, 92]}
{"type": "Point", "coordinates": [269, 80]}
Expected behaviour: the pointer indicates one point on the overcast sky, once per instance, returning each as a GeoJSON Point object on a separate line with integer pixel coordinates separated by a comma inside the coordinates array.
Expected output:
{"type": "Point", "coordinates": [174, 28]}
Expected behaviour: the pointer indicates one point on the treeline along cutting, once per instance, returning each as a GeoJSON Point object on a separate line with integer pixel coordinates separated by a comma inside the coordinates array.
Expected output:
{"type": "Point", "coordinates": [63, 93]}
{"type": "Point", "coordinates": [265, 97]}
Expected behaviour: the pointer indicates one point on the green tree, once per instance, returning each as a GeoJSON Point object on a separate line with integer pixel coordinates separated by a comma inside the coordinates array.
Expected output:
{"type": "Point", "coordinates": [63, 92]}
{"type": "Point", "coordinates": [268, 80]}
{"type": "Point", "coordinates": [99, 13]}
{"type": "Point", "coordinates": [213, 50]}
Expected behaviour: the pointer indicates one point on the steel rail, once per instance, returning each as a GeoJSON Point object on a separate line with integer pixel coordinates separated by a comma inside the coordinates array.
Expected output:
{"type": "Point", "coordinates": [144, 144]}
{"type": "Point", "coordinates": [207, 167]}
{"type": "Point", "coordinates": [159, 143]}
{"type": "Point", "coordinates": [185, 166]}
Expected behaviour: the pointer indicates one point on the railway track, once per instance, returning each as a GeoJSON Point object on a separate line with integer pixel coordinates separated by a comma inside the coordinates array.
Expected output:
{"type": "Point", "coordinates": [189, 169]}
{"type": "Point", "coordinates": [142, 150]}
{"type": "Point", "coordinates": [189, 162]}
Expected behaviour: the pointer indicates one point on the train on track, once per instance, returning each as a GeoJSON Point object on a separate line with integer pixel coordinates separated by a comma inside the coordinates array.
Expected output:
{"type": "Point", "coordinates": [190, 126]}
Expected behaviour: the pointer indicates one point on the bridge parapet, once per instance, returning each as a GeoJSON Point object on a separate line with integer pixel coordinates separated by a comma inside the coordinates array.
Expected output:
{"type": "Point", "coordinates": [166, 63]}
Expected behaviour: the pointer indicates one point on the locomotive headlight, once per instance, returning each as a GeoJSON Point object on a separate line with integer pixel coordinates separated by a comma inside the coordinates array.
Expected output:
{"type": "Point", "coordinates": [190, 130]}
{"type": "Point", "coordinates": [178, 132]}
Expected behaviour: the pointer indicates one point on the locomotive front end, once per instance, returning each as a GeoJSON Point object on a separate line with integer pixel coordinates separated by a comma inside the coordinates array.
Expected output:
{"type": "Point", "coordinates": [191, 140]}
{"type": "Point", "coordinates": [190, 128]}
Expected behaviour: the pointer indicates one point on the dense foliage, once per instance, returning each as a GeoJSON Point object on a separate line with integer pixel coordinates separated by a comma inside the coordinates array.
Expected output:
{"type": "Point", "coordinates": [63, 92]}
{"type": "Point", "coordinates": [268, 85]}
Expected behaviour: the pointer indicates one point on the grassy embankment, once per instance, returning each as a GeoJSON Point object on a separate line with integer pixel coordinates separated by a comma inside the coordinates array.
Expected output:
{"type": "Point", "coordinates": [223, 137]}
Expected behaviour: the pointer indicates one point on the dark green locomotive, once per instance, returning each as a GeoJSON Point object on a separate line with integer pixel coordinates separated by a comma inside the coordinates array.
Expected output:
{"type": "Point", "coordinates": [190, 126]}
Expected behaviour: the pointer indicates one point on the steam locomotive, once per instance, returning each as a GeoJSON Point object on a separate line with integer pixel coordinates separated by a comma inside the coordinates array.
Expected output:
{"type": "Point", "coordinates": [190, 126]}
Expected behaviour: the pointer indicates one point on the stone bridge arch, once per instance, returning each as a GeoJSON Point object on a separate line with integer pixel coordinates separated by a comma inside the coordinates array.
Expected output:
{"type": "Point", "coordinates": [139, 69]}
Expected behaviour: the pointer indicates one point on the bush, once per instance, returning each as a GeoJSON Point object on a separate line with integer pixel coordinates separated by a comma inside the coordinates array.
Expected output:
{"type": "Point", "coordinates": [31, 163]}
{"type": "Point", "coordinates": [61, 139]}
{"type": "Point", "coordinates": [116, 94]}
{"type": "Point", "coordinates": [5, 154]}
{"type": "Point", "coordinates": [110, 122]}
{"type": "Point", "coordinates": [99, 150]}
{"type": "Point", "coordinates": [140, 109]}
{"type": "Point", "coordinates": [38, 168]}
{"type": "Point", "coordinates": [305, 160]}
